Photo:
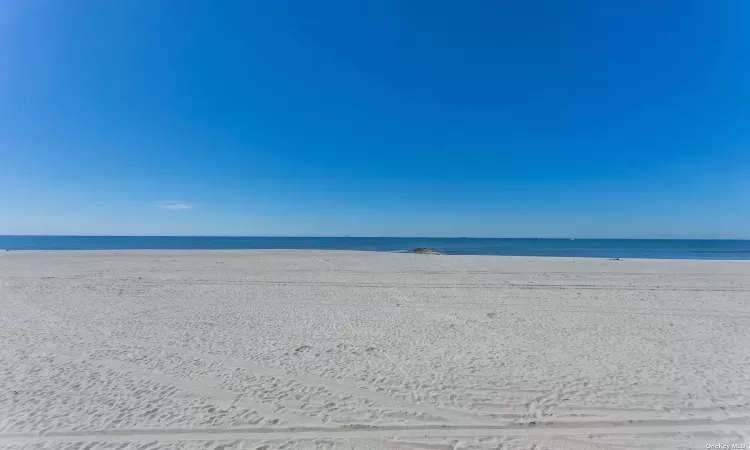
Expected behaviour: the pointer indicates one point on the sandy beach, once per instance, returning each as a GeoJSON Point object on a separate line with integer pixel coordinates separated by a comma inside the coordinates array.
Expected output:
{"type": "Point", "coordinates": [337, 349]}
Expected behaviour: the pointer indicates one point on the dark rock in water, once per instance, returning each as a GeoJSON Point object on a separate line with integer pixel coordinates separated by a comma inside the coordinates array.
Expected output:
{"type": "Point", "coordinates": [426, 251]}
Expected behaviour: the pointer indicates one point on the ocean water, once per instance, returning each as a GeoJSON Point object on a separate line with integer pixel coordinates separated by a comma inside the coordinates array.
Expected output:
{"type": "Point", "coordinates": [598, 248]}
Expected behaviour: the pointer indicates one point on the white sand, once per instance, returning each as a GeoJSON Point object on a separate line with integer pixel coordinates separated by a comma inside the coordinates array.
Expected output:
{"type": "Point", "coordinates": [313, 349]}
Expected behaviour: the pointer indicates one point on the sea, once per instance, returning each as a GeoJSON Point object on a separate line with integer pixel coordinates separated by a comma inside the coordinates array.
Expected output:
{"type": "Point", "coordinates": [594, 248]}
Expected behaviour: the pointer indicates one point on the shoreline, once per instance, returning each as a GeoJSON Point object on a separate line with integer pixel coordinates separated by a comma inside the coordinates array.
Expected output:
{"type": "Point", "coordinates": [719, 250]}
{"type": "Point", "coordinates": [184, 251]}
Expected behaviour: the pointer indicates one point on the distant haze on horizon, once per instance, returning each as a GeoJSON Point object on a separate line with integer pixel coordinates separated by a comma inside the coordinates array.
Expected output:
{"type": "Point", "coordinates": [550, 119]}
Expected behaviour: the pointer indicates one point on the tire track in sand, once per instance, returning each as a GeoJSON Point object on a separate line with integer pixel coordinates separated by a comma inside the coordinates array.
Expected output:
{"type": "Point", "coordinates": [390, 432]}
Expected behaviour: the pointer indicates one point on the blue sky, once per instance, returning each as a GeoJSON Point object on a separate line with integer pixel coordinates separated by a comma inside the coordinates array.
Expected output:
{"type": "Point", "coordinates": [395, 118]}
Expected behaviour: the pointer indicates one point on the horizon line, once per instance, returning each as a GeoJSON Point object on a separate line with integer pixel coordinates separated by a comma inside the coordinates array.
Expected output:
{"type": "Point", "coordinates": [376, 237]}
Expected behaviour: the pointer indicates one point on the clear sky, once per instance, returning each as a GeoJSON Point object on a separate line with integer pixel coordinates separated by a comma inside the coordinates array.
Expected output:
{"type": "Point", "coordinates": [368, 118]}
